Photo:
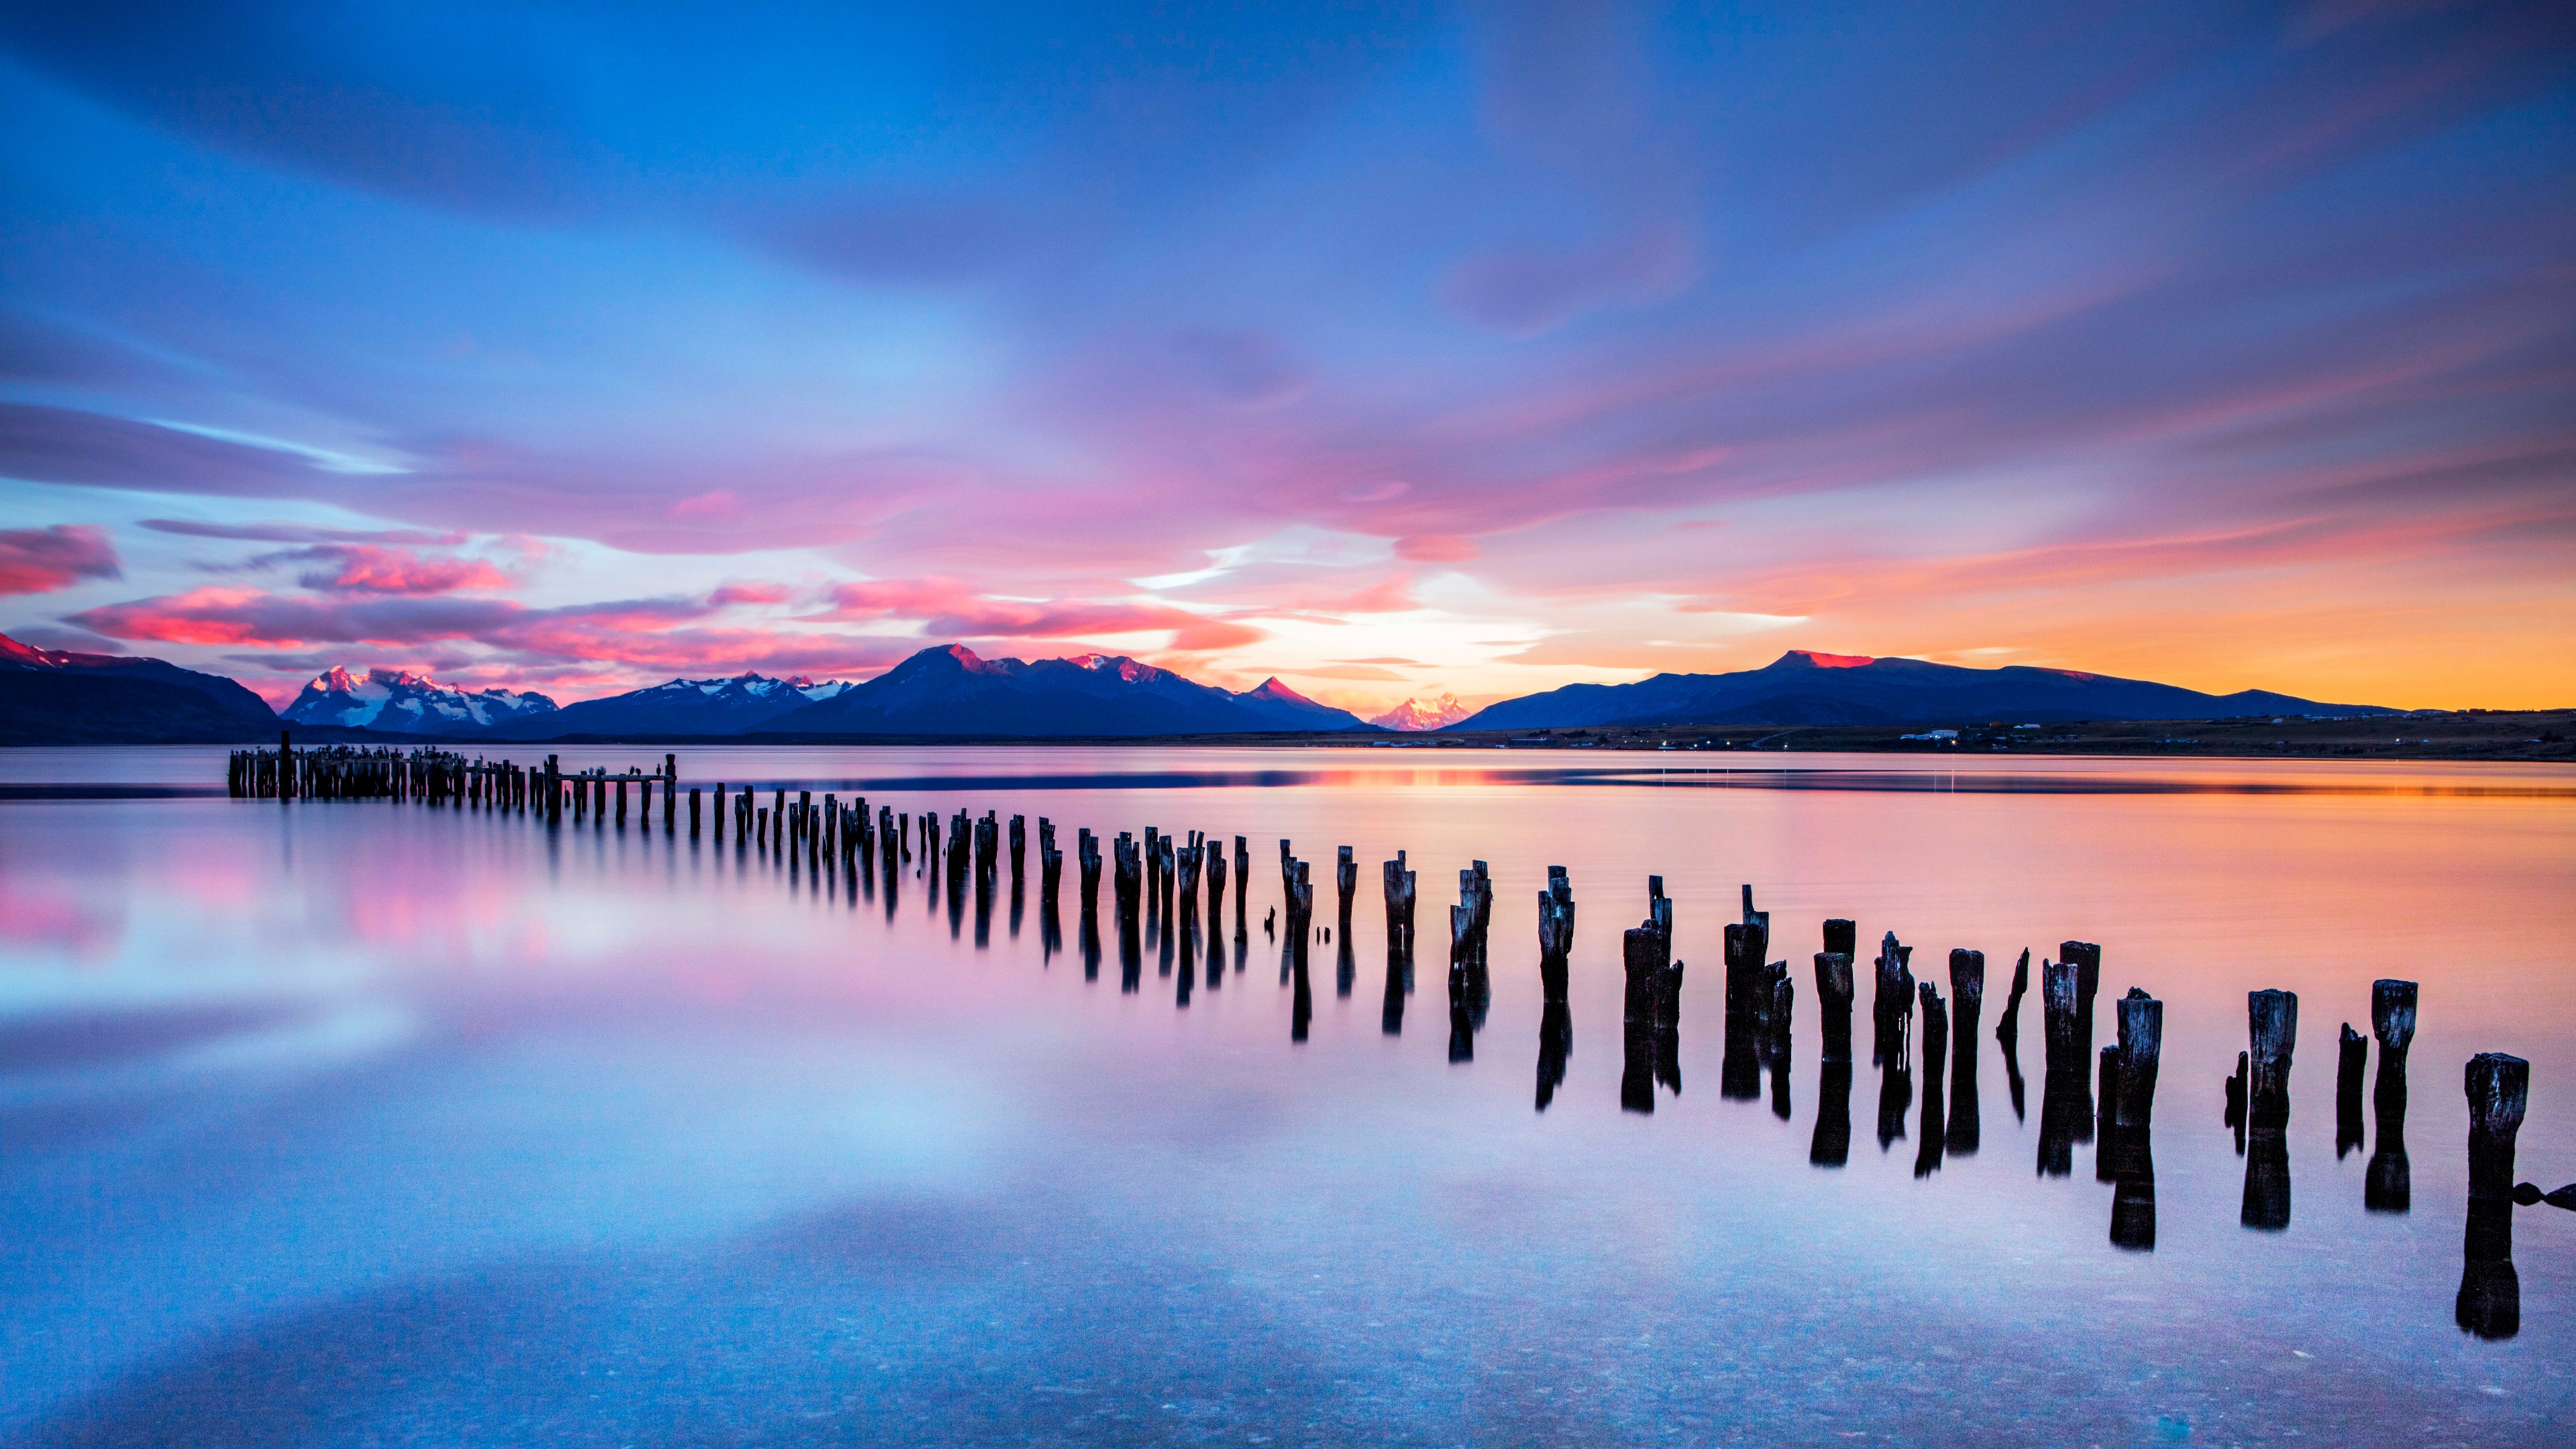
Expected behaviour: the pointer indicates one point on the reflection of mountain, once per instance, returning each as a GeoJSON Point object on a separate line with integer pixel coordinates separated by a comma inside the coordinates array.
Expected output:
{"type": "Point", "coordinates": [681, 707]}
{"type": "Point", "coordinates": [1805, 688]}
{"type": "Point", "coordinates": [50, 696]}
{"type": "Point", "coordinates": [1413, 714]}
{"type": "Point", "coordinates": [400, 702]}
{"type": "Point", "coordinates": [950, 691]}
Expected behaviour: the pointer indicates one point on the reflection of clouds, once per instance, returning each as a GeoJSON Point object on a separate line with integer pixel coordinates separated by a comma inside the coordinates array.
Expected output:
{"type": "Point", "coordinates": [53, 917]}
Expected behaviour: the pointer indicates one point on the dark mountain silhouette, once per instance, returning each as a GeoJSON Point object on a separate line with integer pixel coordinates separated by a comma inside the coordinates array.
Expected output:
{"type": "Point", "coordinates": [52, 696]}
{"type": "Point", "coordinates": [950, 691]}
{"type": "Point", "coordinates": [681, 707]}
{"type": "Point", "coordinates": [1805, 688]}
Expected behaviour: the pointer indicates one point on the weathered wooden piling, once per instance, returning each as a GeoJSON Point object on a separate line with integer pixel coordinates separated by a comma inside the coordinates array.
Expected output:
{"type": "Point", "coordinates": [2008, 1026]}
{"type": "Point", "coordinates": [2392, 1022]}
{"type": "Point", "coordinates": [1892, 1002]}
{"type": "Point", "coordinates": [2490, 1300]}
{"type": "Point", "coordinates": [1842, 937]}
{"type": "Point", "coordinates": [2060, 1019]}
{"type": "Point", "coordinates": [2498, 1087]}
{"type": "Point", "coordinates": [1748, 950]}
{"type": "Point", "coordinates": [2273, 1022]}
{"type": "Point", "coordinates": [2087, 960]}
{"type": "Point", "coordinates": [2272, 1019]}
{"type": "Point", "coordinates": [2126, 1152]}
{"type": "Point", "coordinates": [2352, 1057]}
{"type": "Point", "coordinates": [1931, 1130]}
{"type": "Point", "coordinates": [1834, 991]}
{"type": "Point", "coordinates": [1555, 933]}
{"type": "Point", "coordinates": [1965, 1131]}
{"type": "Point", "coordinates": [1396, 882]}
{"type": "Point", "coordinates": [1646, 953]}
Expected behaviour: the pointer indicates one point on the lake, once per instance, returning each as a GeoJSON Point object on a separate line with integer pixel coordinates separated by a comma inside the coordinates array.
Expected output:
{"type": "Point", "coordinates": [366, 1123]}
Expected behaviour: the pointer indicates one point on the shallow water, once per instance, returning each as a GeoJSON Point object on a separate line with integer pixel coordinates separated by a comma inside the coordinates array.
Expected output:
{"type": "Point", "coordinates": [356, 1123]}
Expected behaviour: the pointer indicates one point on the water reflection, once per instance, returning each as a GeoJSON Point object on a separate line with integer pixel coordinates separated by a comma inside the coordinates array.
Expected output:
{"type": "Point", "coordinates": [1160, 1112]}
{"type": "Point", "coordinates": [1830, 1146]}
{"type": "Point", "coordinates": [1555, 1047]}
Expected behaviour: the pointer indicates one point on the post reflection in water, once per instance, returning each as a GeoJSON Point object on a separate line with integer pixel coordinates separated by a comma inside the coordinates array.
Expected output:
{"type": "Point", "coordinates": [1555, 1046]}
{"type": "Point", "coordinates": [1831, 1144]}
{"type": "Point", "coordinates": [1895, 1095]}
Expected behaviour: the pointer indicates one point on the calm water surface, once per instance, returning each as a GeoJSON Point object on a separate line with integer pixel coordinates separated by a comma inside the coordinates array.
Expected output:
{"type": "Point", "coordinates": [368, 1124]}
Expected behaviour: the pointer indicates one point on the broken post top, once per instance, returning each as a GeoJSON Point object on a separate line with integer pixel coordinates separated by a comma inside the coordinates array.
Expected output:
{"type": "Point", "coordinates": [2272, 1018]}
{"type": "Point", "coordinates": [2498, 1086]}
{"type": "Point", "coordinates": [2392, 1014]}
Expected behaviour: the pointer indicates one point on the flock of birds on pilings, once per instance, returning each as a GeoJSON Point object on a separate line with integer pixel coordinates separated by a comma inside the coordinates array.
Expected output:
{"type": "Point", "coordinates": [2107, 1098]}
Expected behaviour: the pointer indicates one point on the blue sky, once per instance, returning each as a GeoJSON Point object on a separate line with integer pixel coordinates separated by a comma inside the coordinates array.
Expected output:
{"type": "Point", "coordinates": [1390, 349]}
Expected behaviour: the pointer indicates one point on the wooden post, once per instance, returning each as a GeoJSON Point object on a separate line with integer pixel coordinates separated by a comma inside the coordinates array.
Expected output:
{"type": "Point", "coordinates": [2498, 1087]}
{"type": "Point", "coordinates": [1834, 991]}
{"type": "Point", "coordinates": [2490, 1301]}
{"type": "Point", "coordinates": [2273, 1020]}
{"type": "Point", "coordinates": [2008, 1026]}
{"type": "Point", "coordinates": [1842, 937]}
{"type": "Point", "coordinates": [693, 812]}
{"type": "Point", "coordinates": [2352, 1055]}
{"type": "Point", "coordinates": [1930, 1131]}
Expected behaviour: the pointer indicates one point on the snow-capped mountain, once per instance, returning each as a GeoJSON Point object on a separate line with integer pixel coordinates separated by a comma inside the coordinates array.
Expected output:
{"type": "Point", "coordinates": [680, 707]}
{"type": "Point", "coordinates": [1414, 714]}
{"type": "Point", "coordinates": [953, 691]}
{"type": "Point", "coordinates": [401, 702]}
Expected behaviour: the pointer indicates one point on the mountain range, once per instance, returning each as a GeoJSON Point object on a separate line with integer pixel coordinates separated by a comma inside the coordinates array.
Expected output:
{"type": "Point", "coordinates": [953, 691]}
{"type": "Point", "coordinates": [1802, 687]}
{"type": "Point", "coordinates": [680, 707]}
{"type": "Point", "coordinates": [398, 701]}
{"type": "Point", "coordinates": [56, 697]}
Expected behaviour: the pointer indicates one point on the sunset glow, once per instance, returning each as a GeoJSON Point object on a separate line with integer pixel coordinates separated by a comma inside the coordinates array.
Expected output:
{"type": "Point", "coordinates": [1393, 353]}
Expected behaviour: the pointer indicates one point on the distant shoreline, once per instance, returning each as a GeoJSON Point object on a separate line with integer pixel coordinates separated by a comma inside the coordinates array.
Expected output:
{"type": "Point", "coordinates": [2541, 736]}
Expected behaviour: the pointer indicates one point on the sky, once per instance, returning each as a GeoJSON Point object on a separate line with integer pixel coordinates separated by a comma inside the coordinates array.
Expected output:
{"type": "Point", "coordinates": [1390, 350]}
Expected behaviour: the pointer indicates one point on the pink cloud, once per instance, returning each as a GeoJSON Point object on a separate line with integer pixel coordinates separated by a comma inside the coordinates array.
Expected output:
{"type": "Point", "coordinates": [367, 568]}
{"type": "Point", "coordinates": [754, 593]}
{"type": "Point", "coordinates": [1435, 548]}
{"type": "Point", "coordinates": [40, 560]}
{"type": "Point", "coordinates": [948, 608]}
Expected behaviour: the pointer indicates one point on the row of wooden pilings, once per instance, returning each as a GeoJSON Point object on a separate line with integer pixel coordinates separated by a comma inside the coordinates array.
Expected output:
{"type": "Point", "coordinates": [2106, 1097]}
{"type": "Point", "coordinates": [432, 776]}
